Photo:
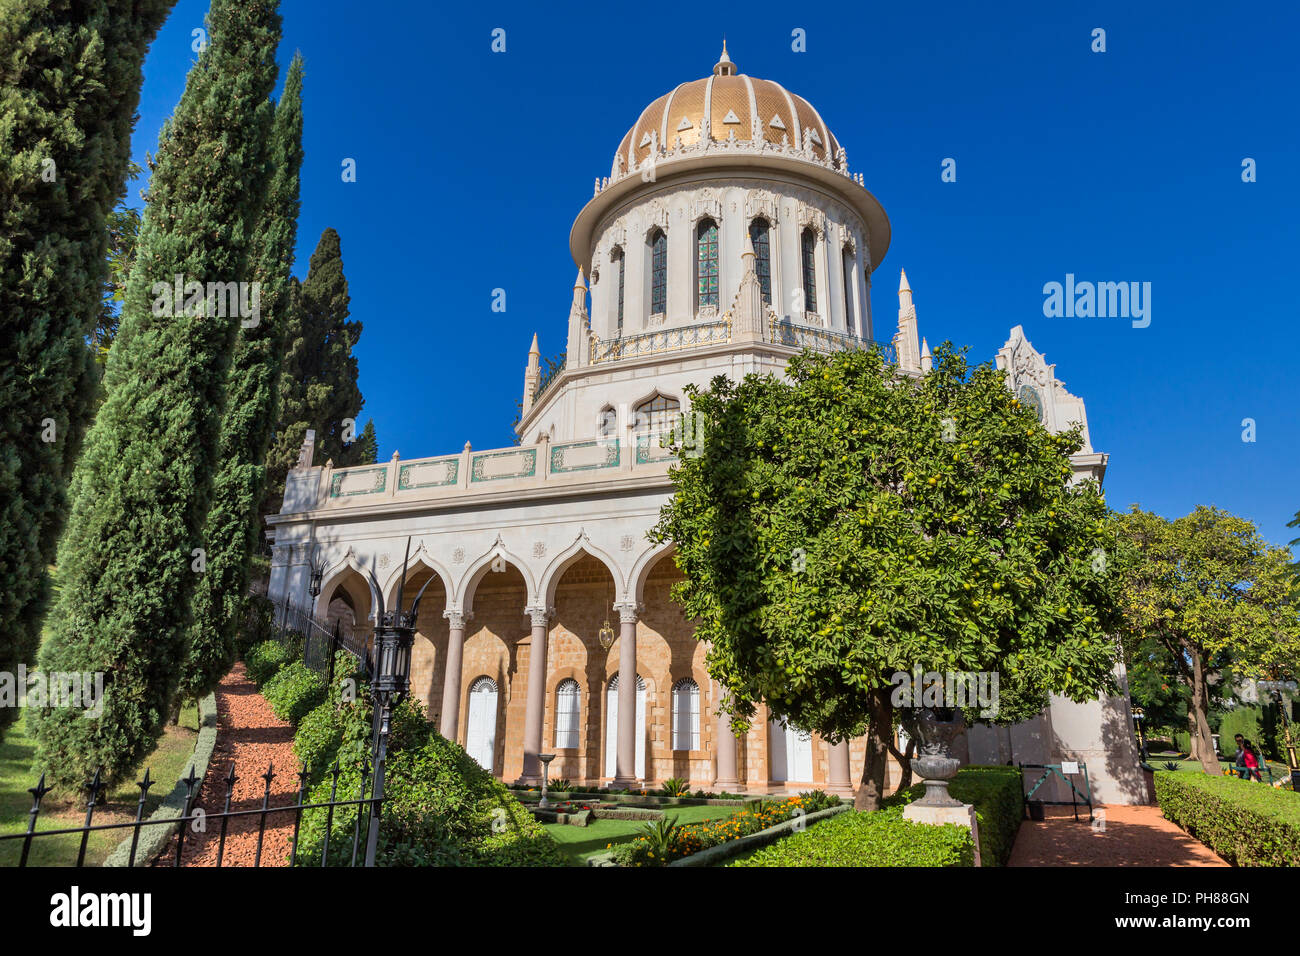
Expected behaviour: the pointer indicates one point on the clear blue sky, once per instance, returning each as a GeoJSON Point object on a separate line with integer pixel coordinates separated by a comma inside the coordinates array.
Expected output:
{"type": "Point", "coordinates": [1117, 166]}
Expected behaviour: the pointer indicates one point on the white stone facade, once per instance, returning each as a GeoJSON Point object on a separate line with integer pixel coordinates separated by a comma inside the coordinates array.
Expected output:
{"type": "Point", "coordinates": [589, 478]}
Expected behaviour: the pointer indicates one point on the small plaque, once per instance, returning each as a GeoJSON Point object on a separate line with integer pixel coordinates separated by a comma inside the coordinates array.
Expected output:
{"type": "Point", "coordinates": [1069, 767]}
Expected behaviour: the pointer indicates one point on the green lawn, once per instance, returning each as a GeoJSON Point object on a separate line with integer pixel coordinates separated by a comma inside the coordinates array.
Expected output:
{"type": "Point", "coordinates": [578, 843]}
{"type": "Point", "coordinates": [1158, 761]}
{"type": "Point", "coordinates": [60, 810]}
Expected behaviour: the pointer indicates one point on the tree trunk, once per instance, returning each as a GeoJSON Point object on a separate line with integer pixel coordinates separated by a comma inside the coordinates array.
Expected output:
{"type": "Point", "coordinates": [905, 759]}
{"type": "Point", "coordinates": [879, 733]}
{"type": "Point", "coordinates": [1199, 715]}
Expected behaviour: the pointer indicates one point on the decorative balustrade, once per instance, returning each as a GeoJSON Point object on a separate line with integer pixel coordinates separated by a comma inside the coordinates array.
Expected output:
{"type": "Point", "coordinates": [661, 340]}
{"type": "Point", "coordinates": [549, 377]}
{"type": "Point", "coordinates": [823, 340]}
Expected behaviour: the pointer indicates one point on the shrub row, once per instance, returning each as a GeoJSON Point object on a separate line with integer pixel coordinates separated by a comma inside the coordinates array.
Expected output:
{"type": "Point", "coordinates": [1246, 823]}
{"type": "Point", "coordinates": [264, 660]}
{"type": "Point", "coordinates": [294, 692]}
{"type": "Point", "coordinates": [884, 838]}
{"type": "Point", "coordinates": [441, 808]}
{"type": "Point", "coordinates": [880, 838]}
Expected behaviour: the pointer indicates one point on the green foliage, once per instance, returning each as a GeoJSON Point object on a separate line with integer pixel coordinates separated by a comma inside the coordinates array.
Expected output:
{"type": "Point", "coordinates": [1246, 823]}
{"type": "Point", "coordinates": [814, 800]}
{"type": "Point", "coordinates": [231, 530]}
{"type": "Point", "coordinates": [366, 447]}
{"type": "Point", "coordinates": [264, 661]}
{"type": "Point", "coordinates": [318, 381]}
{"type": "Point", "coordinates": [1210, 592]}
{"type": "Point", "coordinates": [258, 625]}
{"type": "Point", "coordinates": [70, 76]}
{"type": "Point", "coordinates": [1171, 765]}
{"type": "Point", "coordinates": [441, 807]}
{"type": "Point", "coordinates": [675, 787]}
{"type": "Point", "coordinates": [559, 785]}
{"type": "Point", "coordinates": [317, 740]}
{"type": "Point", "coordinates": [996, 793]}
{"type": "Point", "coordinates": [660, 845]}
{"type": "Point", "coordinates": [878, 838]}
{"type": "Point", "coordinates": [830, 536]}
{"type": "Point", "coordinates": [127, 567]}
{"type": "Point", "coordinates": [294, 691]}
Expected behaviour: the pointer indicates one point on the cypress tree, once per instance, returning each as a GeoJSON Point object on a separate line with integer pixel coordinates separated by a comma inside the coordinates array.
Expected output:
{"type": "Point", "coordinates": [130, 559]}
{"type": "Point", "coordinates": [318, 387]}
{"type": "Point", "coordinates": [70, 77]}
{"type": "Point", "coordinates": [252, 394]}
{"type": "Point", "coordinates": [365, 450]}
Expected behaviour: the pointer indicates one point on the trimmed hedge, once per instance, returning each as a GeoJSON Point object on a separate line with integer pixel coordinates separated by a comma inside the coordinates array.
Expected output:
{"type": "Point", "coordinates": [294, 692]}
{"type": "Point", "coordinates": [264, 660]}
{"type": "Point", "coordinates": [884, 838]}
{"type": "Point", "coordinates": [879, 838]}
{"type": "Point", "coordinates": [1246, 823]}
{"type": "Point", "coordinates": [996, 793]}
{"type": "Point", "coordinates": [441, 807]}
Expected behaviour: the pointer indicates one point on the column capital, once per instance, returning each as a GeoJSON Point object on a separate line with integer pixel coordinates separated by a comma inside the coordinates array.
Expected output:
{"type": "Point", "coordinates": [628, 611]}
{"type": "Point", "coordinates": [540, 615]}
{"type": "Point", "coordinates": [456, 618]}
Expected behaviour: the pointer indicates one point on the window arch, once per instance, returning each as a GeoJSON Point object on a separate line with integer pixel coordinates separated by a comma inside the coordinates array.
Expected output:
{"type": "Point", "coordinates": [686, 715]}
{"type": "Point", "coordinates": [658, 243]}
{"type": "Point", "coordinates": [760, 237]}
{"type": "Point", "coordinates": [568, 698]}
{"type": "Point", "coordinates": [808, 261]}
{"type": "Point", "coordinates": [481, 729]}
{"type": "Point", "coordinates": [617, 261]}
{"type": "Point", "coordinates": [657, 415]}
{"type": "Point", "coordinates": [607, 423]}
{"type": "Point", "coordinates": [706, 265]}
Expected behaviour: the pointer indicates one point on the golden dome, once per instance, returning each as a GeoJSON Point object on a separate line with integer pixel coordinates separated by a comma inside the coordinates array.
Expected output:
{"type": "Point", "coordinates": [732, 105]}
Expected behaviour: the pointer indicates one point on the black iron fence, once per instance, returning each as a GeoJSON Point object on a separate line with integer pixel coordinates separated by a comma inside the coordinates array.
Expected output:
{"type": "Point", "coordinates": [206, 820]}
{"type": "Point", "coordinates": [314, 641]}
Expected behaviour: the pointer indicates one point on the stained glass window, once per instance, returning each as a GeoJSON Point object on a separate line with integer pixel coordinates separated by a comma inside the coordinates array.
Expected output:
{"type": "Point", "coordinates": [759, 238]}
{"type": "Point", "coordinates": [616, 259]}
{"type": "Point", "coordinates": [706, 263]}
{"type": "Point", "coordinates": [658, 272]}
{"type": "Point", "coordinates": [808, 245]}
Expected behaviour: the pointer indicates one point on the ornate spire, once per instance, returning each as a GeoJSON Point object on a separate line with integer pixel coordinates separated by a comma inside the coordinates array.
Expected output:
{"type": "Point", "coordinates": [724, 66]}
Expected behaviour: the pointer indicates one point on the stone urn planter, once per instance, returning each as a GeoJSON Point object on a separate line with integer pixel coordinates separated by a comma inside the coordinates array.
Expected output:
{"type": "Point", "coordinates": [936, 766]}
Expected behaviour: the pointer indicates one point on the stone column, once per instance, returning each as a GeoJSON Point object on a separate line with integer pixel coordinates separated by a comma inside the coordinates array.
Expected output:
{"type": "Point", "coordinates": [625, 761]}
{"type": "Point", "coordinates": [449, 724]}
{"type": "Point", "coordinates": [726, 749]}
{"type": "Point", "coordinates": [536, 700]}
{"type": "Point", "coordinates": [840, 780]}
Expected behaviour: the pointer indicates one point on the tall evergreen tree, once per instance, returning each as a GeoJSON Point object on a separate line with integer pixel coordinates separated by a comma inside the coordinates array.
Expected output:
{"type": "Point", "coordinates": [252, 395]}
{"type": "Point", "coordinates": [70, 76]}
{"type": "Point", "coordinates": [365, 450]}
{"type": "Point", "coordinates": [130, 559]}
{"type": "Point", "coordinates": [318, 388]}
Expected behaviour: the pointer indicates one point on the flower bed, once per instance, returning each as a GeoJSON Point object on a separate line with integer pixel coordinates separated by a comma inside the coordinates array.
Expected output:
{"type": "Point", "coordinates": [665, 842]}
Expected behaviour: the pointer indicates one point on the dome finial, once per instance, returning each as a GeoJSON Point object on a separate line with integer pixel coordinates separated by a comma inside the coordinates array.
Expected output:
{"type": "Point", "coordinates": [724, 66]}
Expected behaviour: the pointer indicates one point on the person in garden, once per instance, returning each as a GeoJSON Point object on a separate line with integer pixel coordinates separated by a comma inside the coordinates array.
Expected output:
{"type": "Point", "coordinates": [1250, 758]}
{"type": "Point", "coordinates": [1239, 763]}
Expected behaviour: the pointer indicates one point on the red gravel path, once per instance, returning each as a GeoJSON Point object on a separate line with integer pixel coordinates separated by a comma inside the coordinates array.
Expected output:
{"type": "Point", "coordinates": [1133, 836]}
{"type": "Point", "coordinates": [250, 735]}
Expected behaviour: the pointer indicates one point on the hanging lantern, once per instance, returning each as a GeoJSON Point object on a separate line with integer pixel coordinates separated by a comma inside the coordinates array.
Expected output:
{"type": "Point", "coordinates": [606, 633]}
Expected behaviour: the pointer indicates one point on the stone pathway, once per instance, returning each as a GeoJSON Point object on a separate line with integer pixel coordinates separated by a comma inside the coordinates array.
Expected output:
{"type": "Point", "coordinates": [1133, 836]}
{"type": "Point", "coordinates": [253, 737]}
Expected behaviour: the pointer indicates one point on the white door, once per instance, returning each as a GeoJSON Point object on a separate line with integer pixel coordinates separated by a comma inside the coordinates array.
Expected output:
{"type": "Point", "coordinates": [611, 728]}
{"type": "Point", "coordinates": [798, 754]}
{"type": "Point", "coordinates": [791, 753]}
{"type": "Point", "coordinates": [481, 734]}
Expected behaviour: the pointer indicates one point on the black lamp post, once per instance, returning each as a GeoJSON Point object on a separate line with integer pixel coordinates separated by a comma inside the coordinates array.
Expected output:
{"type": "Point", "coordinates": [1138, 714]}
{"type": "Point", "coordinates": [317, 575]}
{"type": "Point", "coordinates": [390, 683]}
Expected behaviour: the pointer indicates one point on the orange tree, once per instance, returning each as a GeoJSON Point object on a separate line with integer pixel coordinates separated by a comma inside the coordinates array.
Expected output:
{"type": "Point", "coordinates": [847, 523]}
{"type": "Point", "coordinates": [1209, 590]}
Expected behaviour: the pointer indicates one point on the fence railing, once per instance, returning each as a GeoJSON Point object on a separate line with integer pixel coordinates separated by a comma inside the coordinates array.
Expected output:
{"type": "Point", "coordinates": [314, 641]}
{"type": "Point", "coordinates": [664, 340]}
{"type": "Point", "coordinates": [94, 790]}
{"type": "Point", "coordinates": [823, 340]}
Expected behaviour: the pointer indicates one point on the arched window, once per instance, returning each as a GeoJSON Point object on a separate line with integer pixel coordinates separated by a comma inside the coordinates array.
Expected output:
{"type": "Point", "coordinates": [760, 237]}
{"type": "Point", "coordinates": [616, 260]}
{"type": "Point", "coordinates": [808, 258]}
{"type": "Point", "coordinates": [481, 732]}
{"type": "Point", "coordinates": [658, 272]}
{"type": "Point", "coordinates": [656, 416]}
{"type": "Point", "coordinates": [686, 715]}
{"type": "Point", "coordinates": [706, 265]}
{"type": "Point", "coordinates": [567, 699]}
{"type": "Point", "coordinates": [607, 423]}
{"type": "Point", "coordinates": [850, 320]}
